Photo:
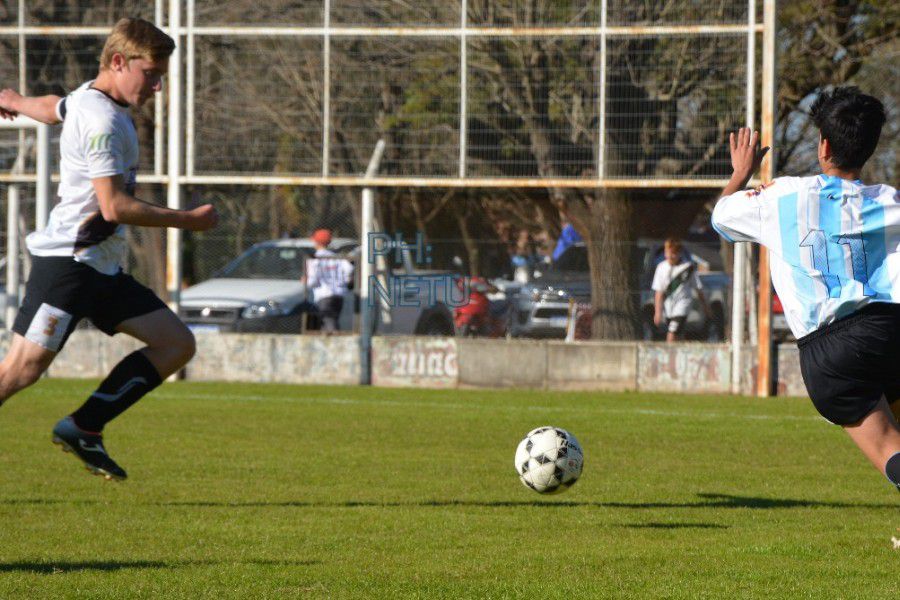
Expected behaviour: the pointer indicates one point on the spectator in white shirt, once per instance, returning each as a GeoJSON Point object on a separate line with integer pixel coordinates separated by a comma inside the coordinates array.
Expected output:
{"type": "Point", "coordinates": [330, 278]}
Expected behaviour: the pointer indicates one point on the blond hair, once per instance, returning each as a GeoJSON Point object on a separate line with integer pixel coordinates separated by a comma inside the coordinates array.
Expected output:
{"type": "Point", "coordinates": [136, 38]}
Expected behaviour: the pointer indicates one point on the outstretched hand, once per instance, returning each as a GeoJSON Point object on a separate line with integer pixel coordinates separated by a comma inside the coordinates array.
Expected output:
{"type": "Point", "coordinates": [746, 156]}
{"type": "Point", "coordinates": [8, 99]}
{"type": "Point", "coordinates": [203, 218]}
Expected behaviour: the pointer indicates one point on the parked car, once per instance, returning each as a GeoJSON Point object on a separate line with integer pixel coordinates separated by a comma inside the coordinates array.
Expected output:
{"type": "Point", "coordinates": [540, 309]}
{"type": "Point", "coordinates": [261, 291]}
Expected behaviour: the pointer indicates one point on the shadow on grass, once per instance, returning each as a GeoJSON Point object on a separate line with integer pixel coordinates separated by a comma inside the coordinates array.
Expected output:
{"type": "Point", "coordinates": [705, 501]}
{"type": "Point", "coordinates": [51, 568]}
{"type": "Point", "coordinates": [676, 526]}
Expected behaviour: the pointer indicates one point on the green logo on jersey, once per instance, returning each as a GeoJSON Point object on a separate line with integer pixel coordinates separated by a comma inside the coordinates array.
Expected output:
{"type": "Point", "coordinates": [100, 141]}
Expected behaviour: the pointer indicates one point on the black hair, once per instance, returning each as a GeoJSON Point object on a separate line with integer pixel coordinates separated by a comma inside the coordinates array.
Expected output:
{"type": "Point", "coordinates": [851, 122]}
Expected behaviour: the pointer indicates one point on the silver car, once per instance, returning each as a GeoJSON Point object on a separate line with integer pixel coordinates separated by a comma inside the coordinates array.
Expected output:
{"type": "Point", "coordinates": [260, 291]}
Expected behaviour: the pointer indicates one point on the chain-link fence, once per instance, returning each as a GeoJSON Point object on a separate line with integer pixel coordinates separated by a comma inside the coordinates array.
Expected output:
{"type": "Point", "coordinates": [498, 116]}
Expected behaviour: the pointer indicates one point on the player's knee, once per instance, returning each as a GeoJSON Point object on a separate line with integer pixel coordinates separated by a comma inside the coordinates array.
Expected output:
{"type": "Point", "coordinates": [185, 346]}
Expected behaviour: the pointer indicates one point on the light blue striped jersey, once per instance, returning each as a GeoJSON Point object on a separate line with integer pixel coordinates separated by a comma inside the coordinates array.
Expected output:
{"type": "Point", "coordinates": [834, 244]}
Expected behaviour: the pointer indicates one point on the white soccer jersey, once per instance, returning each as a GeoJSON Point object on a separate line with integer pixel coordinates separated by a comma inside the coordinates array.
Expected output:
{"type": "Point", "coordinates": [834, 244]}
{"type": "Point", "coordinates": [678, 284]}
{"type": "Point", "coordinates": [98, 140]}
{"type": "Point", "coordinates": [328, 275]}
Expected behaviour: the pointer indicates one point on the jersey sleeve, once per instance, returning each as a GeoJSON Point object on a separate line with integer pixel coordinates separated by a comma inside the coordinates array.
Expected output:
{"type": "Point", "coordinates": [103, 149]}
{"type": "Point", "coordinates": [659, 284]}
{"type": "Point", "coordinates": [738, 217]}
{"type": "Point", "coordinates": [61, 109]}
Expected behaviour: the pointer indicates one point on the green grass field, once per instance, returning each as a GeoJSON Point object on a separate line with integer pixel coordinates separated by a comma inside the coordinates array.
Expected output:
{"type": "Point", "coordinates": [265, 491]}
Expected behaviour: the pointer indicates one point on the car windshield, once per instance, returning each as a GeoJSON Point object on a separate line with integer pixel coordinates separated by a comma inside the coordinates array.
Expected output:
{"type": "Point", "coordinates": [268, 262]}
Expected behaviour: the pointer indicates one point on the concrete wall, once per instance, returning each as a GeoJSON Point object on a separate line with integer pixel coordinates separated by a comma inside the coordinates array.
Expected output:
{"type": "Point", "coordinates": [684, 367]}
{"type": "Point", "coordinates": [592, 365]}
{"type": "Point", "coordinates": [406, 361]}
{"type": "Point", "coordinates": [496, 363]}
{"type": "Point", "coordinates": [415, 362]}
{"type": "Point", "coordinates": [309, 359]}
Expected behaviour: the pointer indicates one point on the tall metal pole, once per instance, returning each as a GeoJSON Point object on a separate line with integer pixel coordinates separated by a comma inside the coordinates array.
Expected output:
{"type": "Point", "coordinates": [601, 121]}
{"type": "Point", "coordinates": [739, 272]}
{"type": "Point", "coordinates": [764, 348]}
{"type": "Point", "coordinates": [326, 92]}
{"type": "Point", "coordinates": [42, 186]}
{"type": "Point", "coordinates": [463, 88]}
{"type": "Point", "coordinates": [12, 255]}
{"type": "Point", "coordinates": [365, 271]}
{"type": "Point", "coordinates": [158, 142]}
{"type": "Point", "coordinates": [173, 236]}
{"type": "Point", "coordinates": [189, 90]}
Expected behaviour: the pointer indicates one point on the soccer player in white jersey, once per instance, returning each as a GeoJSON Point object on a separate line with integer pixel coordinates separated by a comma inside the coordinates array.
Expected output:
{"type": "Point", "coordinates": [76, 259]}
{"type": "Point", "coordinates": [675, 282]}
{"type": "Point", "coordinates": [834, 243]}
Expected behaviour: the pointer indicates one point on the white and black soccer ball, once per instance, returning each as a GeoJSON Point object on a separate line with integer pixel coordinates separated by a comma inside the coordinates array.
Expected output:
{"type": "Point", "coordinates": [549, 460]}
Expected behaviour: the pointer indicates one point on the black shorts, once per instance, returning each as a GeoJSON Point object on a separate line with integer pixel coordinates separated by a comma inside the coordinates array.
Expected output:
{"type": "Point", "coordinates": [849, 365]}
{"type": "Point", "coordinates": [61, 291]}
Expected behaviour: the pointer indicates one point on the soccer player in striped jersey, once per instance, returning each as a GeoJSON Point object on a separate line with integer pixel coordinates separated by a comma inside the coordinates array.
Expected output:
{"type": "Point", "coordinates": [834, 244]}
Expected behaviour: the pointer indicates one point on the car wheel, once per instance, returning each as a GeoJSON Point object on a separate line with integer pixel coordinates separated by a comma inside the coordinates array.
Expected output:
{"type": "Point", "coordinates": [435, 325]}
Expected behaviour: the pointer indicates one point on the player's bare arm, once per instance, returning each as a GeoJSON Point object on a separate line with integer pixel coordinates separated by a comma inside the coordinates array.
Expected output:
{"type": "Point", "coordinates": [746, 157]}
{"type": "Point", "coordinates": [39, 108]}
{"type": "Point", "coordinates": [118, 206]}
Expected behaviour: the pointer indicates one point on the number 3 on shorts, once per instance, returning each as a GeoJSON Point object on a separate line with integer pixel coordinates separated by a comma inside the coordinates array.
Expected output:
{"type": "Point", "coordinates": [48, 327]}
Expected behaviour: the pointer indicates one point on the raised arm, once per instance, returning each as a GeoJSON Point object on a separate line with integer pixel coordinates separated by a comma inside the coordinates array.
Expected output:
{"type": "Point", "coordinates": [39, 108]}
{"type": "Point", "coordinates": [118, 206]}
{"type": "Point", "coordinates": [746, 157]}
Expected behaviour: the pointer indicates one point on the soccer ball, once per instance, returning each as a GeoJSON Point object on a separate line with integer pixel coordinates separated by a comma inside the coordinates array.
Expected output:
{"type": "Point", "coordinates": [549, 460]}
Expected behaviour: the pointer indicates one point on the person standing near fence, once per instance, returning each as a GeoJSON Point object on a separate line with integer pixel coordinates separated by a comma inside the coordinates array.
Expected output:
{"type": "Point", "coordinates": [675, 283]}
{"type": "Point", "coordinates": [77, 258]}
{"type": "Point", "coordinates": [330, 278]}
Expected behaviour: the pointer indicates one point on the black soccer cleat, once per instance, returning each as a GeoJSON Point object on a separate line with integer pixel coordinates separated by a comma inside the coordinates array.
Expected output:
{"type": "Point", "coordinates": [89, 448]}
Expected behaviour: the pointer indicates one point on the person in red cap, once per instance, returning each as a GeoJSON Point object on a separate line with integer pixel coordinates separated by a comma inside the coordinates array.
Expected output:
{"type": "Point", "coordinates": [329, 278]}
{"type": "Point", "coordinates": [322, 237]}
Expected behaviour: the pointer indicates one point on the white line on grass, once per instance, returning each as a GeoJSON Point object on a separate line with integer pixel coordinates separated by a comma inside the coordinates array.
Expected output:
{"type": "Point", "coordinates": [472, 406]}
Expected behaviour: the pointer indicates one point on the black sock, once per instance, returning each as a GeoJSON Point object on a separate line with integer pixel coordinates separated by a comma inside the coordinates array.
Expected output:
{"type": "Point", "coordinates": [127, 383]}
{"type": "Point", "coordinates": [892, 469]}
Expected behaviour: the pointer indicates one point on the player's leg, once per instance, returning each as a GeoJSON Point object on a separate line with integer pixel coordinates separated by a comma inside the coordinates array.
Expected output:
{"type": "Point", "coordinates": [674, 330]}
{"type": "Point", "coordinates": [170, 345]}
{"type": "Point", "coordinates": [330, 310]}
{"type": "Point", "coordinates": [878, 436]}
{"type": "Point", "coordinates": [25, 362]}
{"type": "Point", "coordinates": [50, 311]}
{"type": "Point", "coordinates": [120, 304]}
